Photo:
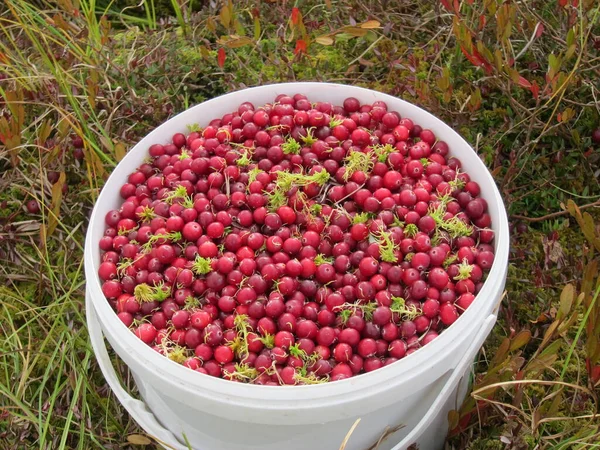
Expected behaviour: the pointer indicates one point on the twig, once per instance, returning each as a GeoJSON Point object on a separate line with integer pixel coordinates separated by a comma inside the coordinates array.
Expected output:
{"type": "Point", "coordinates": [533, 36]}
{"type": "Point", "coordinates": [366, 51]}
{"type": "Point", "coordinates": [350, 431]}
{"type": "Point", "coordinates": [552, 215]}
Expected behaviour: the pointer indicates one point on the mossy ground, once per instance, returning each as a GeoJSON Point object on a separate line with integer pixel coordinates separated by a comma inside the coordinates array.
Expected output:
{"type": "Point", "coordinates": [70, 71]}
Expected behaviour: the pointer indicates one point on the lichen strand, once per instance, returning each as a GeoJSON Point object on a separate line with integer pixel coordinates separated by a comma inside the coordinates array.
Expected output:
{"type": "Point", "coordinates": [362, 217]}
{"type": "Point", "coordinates": [240, 344]}
{"type": "Point", "coordinates": [453, 226]}
{"type": "Point", "coordinates": [191, 303]}
{"type": "Point", "coordinates": [202, 266]}
{"type": "Point", "coordinates": [268, 340]}
{"type": "Point", "coordinates": [291, 146]}
{"type": "Point", "coordinates": [184, 155]}
{"type": "Point", "coordinates": [194, 127]}
{"type": "Point", "coordinates": [346, 310]}
{"type": "Point", "coordinates": [176, 353]}
{"type": "Point", "coordinates": [322, 259]}
{"type": "Point", "coordinates": [303, 374]}
{"type": "Point", "coordinates": [309, 139]}
{"type": "Point", "coordinates": [252, 174]}
{"type": "Point", "coordinates": [179, 192]}
{"type": "Point", "coordinates": [411, 230]}
{"type": "Point", "coordinates": [123, 265]}
{"type": "Point", "coordinates": [146, 214]}
{"type": "Point", "coordinates": [398, 306]}
{"type": "Point", "coordinates": [464, 270]}
{"type": "Point", "coordinates": [334, 122]}
{"type": "Point", "coordinates": [286, 180]}
{"type": "Point", "coordinates": [388, 249]}
{"type": "Point", "coordinates": [243, 372]}
{"type": "Point", "coordinates": [382, 151]}
{"type": "Point", "coordinates": [145, 293]}
{"type": "Point", "coordinates": [245, 158]}
{"type": "Point", "coordinates": [174, 237]}
{"type": "Point", "coordinates": [358, 161]}
{"type": "Point", "coordinates": [457, 183]}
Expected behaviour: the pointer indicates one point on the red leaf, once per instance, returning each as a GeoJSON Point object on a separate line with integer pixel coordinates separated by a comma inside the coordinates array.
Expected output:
{"type": "Point", "coordinates": [300, 47]}
{"type": "Point", "coordinates": [487, 67]}
{"type": "Point", "coordinates": [593, 371]}
{"type": "Point", "coordinates": [295, 16]}
{"type": "Point", "coordinates": [563, 3]}
{"type": "Point", "coordinates": [524, 83]}
{"type": "Point", "coordinates": [477, 60]}
{"type": "Point", "coordinates": [221, 57]}
{"type": "Point", "coordinates": [535, 90]}
{"type": "Point", "coordinates": [575, 3]}
{"type": "Point", "coordinates": [471, 57]}
{"type": "Point", "coordinates": [456, 6]}
{"type": "Point", "coordinates": [482, 21]}
{"type": "Point", "coordinates": [540, 30]}
{"type": "Point", "coordinates": [464, 421]}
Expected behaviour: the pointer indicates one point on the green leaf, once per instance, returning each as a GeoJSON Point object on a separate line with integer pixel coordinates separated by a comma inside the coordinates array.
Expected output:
{"type": "Point", "coordinates": [520, 340]}
{"type": "Point", "coordinates": [570, 37]}
{"type": "Point", "coordinates": [239, 28]}
{"type": "Point", "coordinates": [566, 301]}
{"type": "Point", "coordinates": [501, 353]}
{"type": "Point", "coordinates": [570, 51]}
{"type": "Point", "coordinates": [554, 62]}
{"type": "Point", "coordinates": [370, 24]}
{"type": "Point", "coordinates": [549, 334]}
{"type": "Point", "coordinates": [234, 41]}
{"type": "Point", "coordinates": [120, 151]}
{"type": "Point", "coordinates": [355, 31]}
{"type": "Point", "coordinates": [225, 16]}
{"type": "Point", "coordinates": [256, 29]}
{"type": "Point", "coordinates": [44, 131]}
{"type": "Point", "coordinates": [55, 203]}
{"type": "Point", "coordinates": [544, 360]}
{"type": "Point", "coordinates": [586, 222]}
{"type": "Point", "coordinates": [453, 418]}
{"type": "Point", "coordinates": [138, 439]}
{"type": "Point", "coordinates": [324, 40]}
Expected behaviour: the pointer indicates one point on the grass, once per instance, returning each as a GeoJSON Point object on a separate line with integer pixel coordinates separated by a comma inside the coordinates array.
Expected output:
{"type": "Point", "coordinates": [517, 80]}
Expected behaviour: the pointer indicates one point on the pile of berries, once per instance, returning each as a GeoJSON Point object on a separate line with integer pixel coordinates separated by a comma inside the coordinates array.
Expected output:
{"type": "Point", "coordinates": [296, 242]}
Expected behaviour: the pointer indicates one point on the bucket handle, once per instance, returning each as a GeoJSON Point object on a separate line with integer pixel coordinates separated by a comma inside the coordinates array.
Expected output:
{"type": "Point", "coordinates": [450, 385]}
{"type": "Point", "coordinates": [136, 408]}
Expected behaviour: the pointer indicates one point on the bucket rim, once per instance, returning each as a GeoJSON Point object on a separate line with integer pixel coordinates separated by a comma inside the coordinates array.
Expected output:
{"type": "Point", "coordinates": [197, 383]}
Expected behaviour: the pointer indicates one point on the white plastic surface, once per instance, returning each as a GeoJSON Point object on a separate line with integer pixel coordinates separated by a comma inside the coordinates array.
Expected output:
{"type": "Point", "coordinates": [449, 388]}
{"type": "Point", "coordinates": [136, 408]}
{"type": "Point", "coordinates": [145, 418]}
{"type": "Point", "coordinates": [217, 414]}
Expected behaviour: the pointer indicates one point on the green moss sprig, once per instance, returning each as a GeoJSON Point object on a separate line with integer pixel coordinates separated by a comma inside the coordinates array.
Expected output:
{"type": "Point", "coordinates": [358, 161]}
{"type": "Point", "coordinates": [173, 236]}
{"type": "Point", "coordinates": [145, 293]}
{"type": "Point", "coordinates": [387, 247]}
{"type": "Point", "coordinates": [398, 306]}
{"type": "Point", "coordinates": [382, 151]}
{"type": "Point", "coordinates": [464, 270]}
{"type": "Point", "coordinates": [286, 180]}
{"type": "Point", "coordinates": [291, 146]}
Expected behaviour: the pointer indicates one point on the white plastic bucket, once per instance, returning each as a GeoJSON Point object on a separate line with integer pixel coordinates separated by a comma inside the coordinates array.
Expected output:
{"type": "Point", "coordinates": [180, 405]}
